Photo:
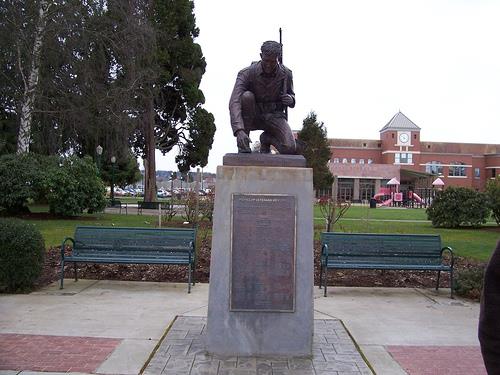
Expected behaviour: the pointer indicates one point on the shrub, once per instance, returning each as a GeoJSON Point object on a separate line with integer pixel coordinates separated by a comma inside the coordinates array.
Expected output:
{"type": "Point", "coordinates": [18, 177]}
{"type": "Point", "coordinates": [469, 282]}
{"type": "Point", "coordinates": [493, 193]}
{"type": "Point", "coordinates": [71, 185]}
{"type": "Point", "coordinates": [21, 255]}
{"type": "Point", "coordinates": [190, 212]}
{"type": "Point", "coordinates": [207, 204]}
{"type": "Point", "coordinates": [458, 206]}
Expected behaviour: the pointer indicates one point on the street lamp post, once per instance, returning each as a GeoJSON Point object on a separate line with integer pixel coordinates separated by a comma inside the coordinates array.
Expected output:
{"type": "Point", "coordinates": [98, 151]}
{"type": "Point", "coordinates": [113, 161]}
{"type": "Point", "coordinates": [172, 190]}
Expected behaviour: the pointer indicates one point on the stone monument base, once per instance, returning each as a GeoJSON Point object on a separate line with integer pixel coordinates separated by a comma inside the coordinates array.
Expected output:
{"type": "Point", "coordinates": [261, 272]}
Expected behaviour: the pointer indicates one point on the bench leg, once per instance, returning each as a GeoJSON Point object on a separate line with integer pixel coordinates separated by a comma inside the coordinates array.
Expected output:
{"type": "Point", "coordinates": [439, 276]}
{"type": "Point", "coordinates": [320, 275]}
{"type": "Point", "coordinates": [189, 278]}
{"type": "Point", "coordinates": [75, 271]}
{"type": "Point", "coordinates": [62, 274]}
{"type": "Point", "coordinates": [451, 284]}
{"type": "Point", "coordinates": [326, 279]}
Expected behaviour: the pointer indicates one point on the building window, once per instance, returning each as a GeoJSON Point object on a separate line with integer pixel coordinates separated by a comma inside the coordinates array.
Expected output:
{"type": "Point", "coordinates": [493, 173]}
{"type": "Point", "coordinates": [366, 189]}
{"type": "Point", "coordinates": [364, 144]}
{"type": "Point", "coordinates": [456, 170]}
{"type": "Point", "coordinates": [344, 161]}
{"type": "Point", "coordinates": [403, 158]}
{"type": "Point", "coordinates": [392, 135]}
{"type": "Point", "coordinates": [346, 189]}
{"type": "Point", "coordinates": [361, 161]}
{"type": "Point", "coordinates": [370, 161]}
{"type": "Point", "coordinates": [477, 172]}
{"type": "Point", "coordinates": [353, 161]}
{"type": "Point", "coordinates": [414, 136]}
{"type": "Point", "coordinates": [434, 167]}
{"type": "Point", "coordinates": [336, 160]}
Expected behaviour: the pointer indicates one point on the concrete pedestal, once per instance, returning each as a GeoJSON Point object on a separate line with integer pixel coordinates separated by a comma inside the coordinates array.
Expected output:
{"type": "Point", "coordinates": [239, 325]}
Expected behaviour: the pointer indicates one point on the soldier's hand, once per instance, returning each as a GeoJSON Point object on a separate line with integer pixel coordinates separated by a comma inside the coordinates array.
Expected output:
{"type": "Point", "coordinates": [287, 100]}
{"type": "Point", "coordinates": [243, 141]}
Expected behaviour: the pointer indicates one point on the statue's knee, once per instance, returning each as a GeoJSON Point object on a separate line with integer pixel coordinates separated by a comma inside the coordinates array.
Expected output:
{"type": "Point", "coordinates": [248, 98]}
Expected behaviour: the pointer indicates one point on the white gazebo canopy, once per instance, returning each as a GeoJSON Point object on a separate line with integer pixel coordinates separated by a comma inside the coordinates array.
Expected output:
{"type": "Point", "coordinates": [393, 181]}
{"type": "Point", "coordinates": [438, 182]}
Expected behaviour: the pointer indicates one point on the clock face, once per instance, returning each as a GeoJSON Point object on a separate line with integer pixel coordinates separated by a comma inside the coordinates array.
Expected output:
{"type": "Point", "coordinates": [403, 138]}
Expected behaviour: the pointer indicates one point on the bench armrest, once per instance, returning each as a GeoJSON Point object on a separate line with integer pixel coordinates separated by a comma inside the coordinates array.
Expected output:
{"type": "Point", "coordinates": [192, 252]}
{"type": "Point", "coordinates": [450, 250]}
{"type": "Point", "coordinates": [324, 254]}
{"type": "Point", "coordinates": [63, 243]}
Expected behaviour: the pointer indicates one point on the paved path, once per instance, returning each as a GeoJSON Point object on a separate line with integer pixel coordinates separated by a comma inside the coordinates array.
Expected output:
{"type": "Point", "coordinates": [183, 352]}
{"type": "Point", "coordinates": [398, 330]}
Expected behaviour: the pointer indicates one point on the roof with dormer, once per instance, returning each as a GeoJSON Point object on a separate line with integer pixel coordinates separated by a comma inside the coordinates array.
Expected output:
{"type": "Point", "coordinates": [400, 122]}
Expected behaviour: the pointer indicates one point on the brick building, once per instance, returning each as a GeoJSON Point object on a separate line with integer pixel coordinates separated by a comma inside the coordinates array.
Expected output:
{"type": "Point", "coordinates": [363, 166]}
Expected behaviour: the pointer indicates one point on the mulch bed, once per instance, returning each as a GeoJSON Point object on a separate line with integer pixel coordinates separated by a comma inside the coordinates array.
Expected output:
{"type": "Point", "coordinates": [172, 273]}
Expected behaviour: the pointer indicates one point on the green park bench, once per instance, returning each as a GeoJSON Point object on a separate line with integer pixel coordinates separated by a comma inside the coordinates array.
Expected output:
{"type": "Point", "coordinates": [131, 246]}
{"type": "Point", "coordinates": [383, 252]}
{"type": "Point", "coordinates": [115, 203]}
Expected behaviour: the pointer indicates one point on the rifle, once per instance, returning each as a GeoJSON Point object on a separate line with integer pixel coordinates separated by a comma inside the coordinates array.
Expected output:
{"type": "Point", "coordinates": [285, 88]}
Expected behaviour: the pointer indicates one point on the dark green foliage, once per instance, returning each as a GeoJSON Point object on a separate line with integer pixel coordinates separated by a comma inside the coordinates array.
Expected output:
{"type": "Point", "coordinates": [69, 185]}
{"type": "Point", "coordinates": [126, 171]}
{"type": "Point", "coordinates": [72, 186]}
{"type": "Point", "coordinates": [21, 255]}
{"type": "Point", "coordinates": [180, 120]}
{"type": "Point", "coordinates": [458, 206]}
{"type": "Point", "coordinates": [493, 193]}
{"type": "Point", "coordinates": [201, 133]}
{"type": "Point", "coordinates": [19, 175]}
{"type": "Point", "coordinates": [317, 151]}
{"type": "Point", "coordinates": [469, 282]}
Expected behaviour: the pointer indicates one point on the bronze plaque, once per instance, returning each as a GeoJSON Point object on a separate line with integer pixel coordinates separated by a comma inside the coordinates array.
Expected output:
{"type": "Point", "coordinates": [263, 253]}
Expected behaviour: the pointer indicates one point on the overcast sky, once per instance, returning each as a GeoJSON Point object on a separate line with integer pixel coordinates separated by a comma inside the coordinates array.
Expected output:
{"type": "Point", "coordinates": [358, 62]}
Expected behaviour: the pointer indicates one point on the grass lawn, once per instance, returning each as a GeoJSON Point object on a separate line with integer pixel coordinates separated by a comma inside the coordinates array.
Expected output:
{"type": "Point", "coordinates": [386, 213]}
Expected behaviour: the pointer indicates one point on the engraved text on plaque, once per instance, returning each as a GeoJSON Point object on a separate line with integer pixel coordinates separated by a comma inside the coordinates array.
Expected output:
{"type": "Point", "coordinates": [263, 253]}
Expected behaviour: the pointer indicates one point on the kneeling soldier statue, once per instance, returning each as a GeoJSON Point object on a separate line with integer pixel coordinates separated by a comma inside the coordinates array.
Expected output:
{"type": "Point", "coordinates": [261, 94]}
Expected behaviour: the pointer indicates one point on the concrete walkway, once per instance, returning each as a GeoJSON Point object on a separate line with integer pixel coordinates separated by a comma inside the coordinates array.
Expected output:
{"type": "Point", "coordinates": [116, 326]}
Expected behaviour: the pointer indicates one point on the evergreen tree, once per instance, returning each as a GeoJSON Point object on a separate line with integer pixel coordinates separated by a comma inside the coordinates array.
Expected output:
{"type": "Point", "coordinates": [317, 151]}
{"type": "Point", "coordinates": [173, 114]}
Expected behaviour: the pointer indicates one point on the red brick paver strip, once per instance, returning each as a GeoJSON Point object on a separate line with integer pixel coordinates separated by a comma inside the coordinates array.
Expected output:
{"type": "Point", "coordinates": [54, 353]}
{"type": "Point", "coordinates": [439, 360]}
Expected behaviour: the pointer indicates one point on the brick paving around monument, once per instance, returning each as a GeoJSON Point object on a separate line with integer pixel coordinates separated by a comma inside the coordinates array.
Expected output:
{"type": "Point", "coordinates": [183, 352]}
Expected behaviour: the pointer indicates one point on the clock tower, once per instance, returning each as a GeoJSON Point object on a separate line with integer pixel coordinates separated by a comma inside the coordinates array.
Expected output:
{"type": "Point", "coordinates": [400, 141]}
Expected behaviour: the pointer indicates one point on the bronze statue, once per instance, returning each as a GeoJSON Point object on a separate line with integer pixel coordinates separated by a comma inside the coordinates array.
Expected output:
{"type": "Point", "coordinates": [261, 94]}
{"type": "Point", "coordinates": [489, 318]}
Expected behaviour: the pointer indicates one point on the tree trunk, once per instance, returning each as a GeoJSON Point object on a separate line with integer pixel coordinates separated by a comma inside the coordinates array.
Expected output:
{"type": "Point", "coordinates": [149, 160]}
{"type": "Point", "coordinates": [28, 101]}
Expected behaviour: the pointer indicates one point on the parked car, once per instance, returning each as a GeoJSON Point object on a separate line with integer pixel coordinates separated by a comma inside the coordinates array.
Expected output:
{"type": "Point", "coordinates": [163, 193]}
